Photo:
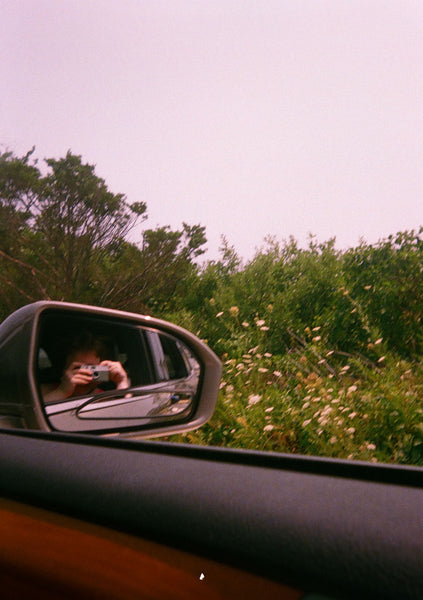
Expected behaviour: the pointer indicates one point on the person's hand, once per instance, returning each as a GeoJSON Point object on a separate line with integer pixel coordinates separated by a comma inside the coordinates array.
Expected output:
{"type": "Point", "coordinates": [117, 374]}
{"type": "Point", "coordinates": [74, 376]}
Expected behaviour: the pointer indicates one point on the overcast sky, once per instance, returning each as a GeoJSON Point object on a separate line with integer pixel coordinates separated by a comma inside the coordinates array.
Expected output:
{"type": "Point", "coordinates": [251, 117]}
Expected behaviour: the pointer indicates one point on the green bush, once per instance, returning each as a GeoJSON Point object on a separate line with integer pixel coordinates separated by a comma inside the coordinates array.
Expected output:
{"type": "Point", "coordinates": [321, 349]}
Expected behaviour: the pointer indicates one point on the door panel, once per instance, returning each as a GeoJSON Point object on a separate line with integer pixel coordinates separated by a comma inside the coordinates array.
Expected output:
{"type": "Point", "coordinates": [43, 554]}
{"type": "Point", "coordinates": [335, 527]}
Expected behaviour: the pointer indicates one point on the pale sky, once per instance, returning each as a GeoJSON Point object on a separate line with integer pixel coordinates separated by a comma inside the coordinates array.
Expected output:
{"type": "Point", "coordinates": [251, 117]}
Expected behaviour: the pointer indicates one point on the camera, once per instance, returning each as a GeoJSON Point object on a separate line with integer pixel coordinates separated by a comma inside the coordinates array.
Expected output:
{"type": "Point", "coordinates": [100, 373]}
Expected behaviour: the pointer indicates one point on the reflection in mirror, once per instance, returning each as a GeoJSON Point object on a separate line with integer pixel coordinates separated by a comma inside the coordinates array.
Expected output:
{"type": "Point", "coordinates": [134, 408]}
{"type": "Point", "coordinates": [161, 403]}
{"type": "Point", "coordinates": [95, 374]}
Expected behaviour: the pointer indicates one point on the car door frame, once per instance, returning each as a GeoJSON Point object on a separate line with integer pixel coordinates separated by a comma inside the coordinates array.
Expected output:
{"type": "Point", "coordinates": [328, 526]}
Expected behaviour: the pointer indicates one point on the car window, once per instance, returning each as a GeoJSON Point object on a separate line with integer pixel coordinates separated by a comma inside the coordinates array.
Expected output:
{"type": "Point", "coordinates": [171, 359]}
{"type": "Point", "coordinates": [249, 171]}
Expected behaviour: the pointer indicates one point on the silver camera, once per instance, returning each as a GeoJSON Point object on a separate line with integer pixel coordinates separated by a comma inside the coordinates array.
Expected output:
{"type": "Point", "coordinates": [100, 373]}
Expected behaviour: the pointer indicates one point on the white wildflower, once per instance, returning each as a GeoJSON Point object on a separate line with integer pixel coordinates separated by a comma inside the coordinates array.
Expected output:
{"type": "Point", "coordinates": [253, 399]}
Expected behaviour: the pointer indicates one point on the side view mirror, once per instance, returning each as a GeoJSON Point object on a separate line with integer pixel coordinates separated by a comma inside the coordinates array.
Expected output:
{"type": "Point", "coordinates": [76, 368]}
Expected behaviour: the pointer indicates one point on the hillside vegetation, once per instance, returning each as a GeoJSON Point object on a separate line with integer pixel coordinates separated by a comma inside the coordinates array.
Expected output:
{"type": "Point", "coordinates": [322, 348]}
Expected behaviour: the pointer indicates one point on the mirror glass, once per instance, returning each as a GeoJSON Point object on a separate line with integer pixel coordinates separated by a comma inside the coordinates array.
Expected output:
{"type": "Point", "coordinates": [99, 374]}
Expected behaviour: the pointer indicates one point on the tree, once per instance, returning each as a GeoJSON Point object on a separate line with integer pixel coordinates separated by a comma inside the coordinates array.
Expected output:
{"type": "Point", "coordinates": [19, 181]}
{"type": "Point", "coordinates": [154, 275]}
{"type": "Point", "coordinates": [64, 236]}
{"type": "Point", "coordinates": [388, 279]}
{"type": "Point", "coordinates": [58, 227]}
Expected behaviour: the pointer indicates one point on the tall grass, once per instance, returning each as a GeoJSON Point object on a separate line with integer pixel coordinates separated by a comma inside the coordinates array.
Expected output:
{"type": "Point", "coordinates": [315, 400]}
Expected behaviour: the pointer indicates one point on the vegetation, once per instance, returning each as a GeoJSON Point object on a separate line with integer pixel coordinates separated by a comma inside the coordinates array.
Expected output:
{"type": "Point", "coordinates": [64, 236]}
{"type": "Point", "coordinates": [322, 348]}
{"type": "Point", "coordinates": [316, 401]}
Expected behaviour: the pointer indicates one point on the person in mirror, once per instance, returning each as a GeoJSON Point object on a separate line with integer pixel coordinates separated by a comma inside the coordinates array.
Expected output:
{"type": "Point", "coordinates": [77, 379]}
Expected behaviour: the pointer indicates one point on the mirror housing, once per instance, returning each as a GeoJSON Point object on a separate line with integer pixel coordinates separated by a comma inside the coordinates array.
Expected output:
{"type": "Point", "coordinates": [167, 400]}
